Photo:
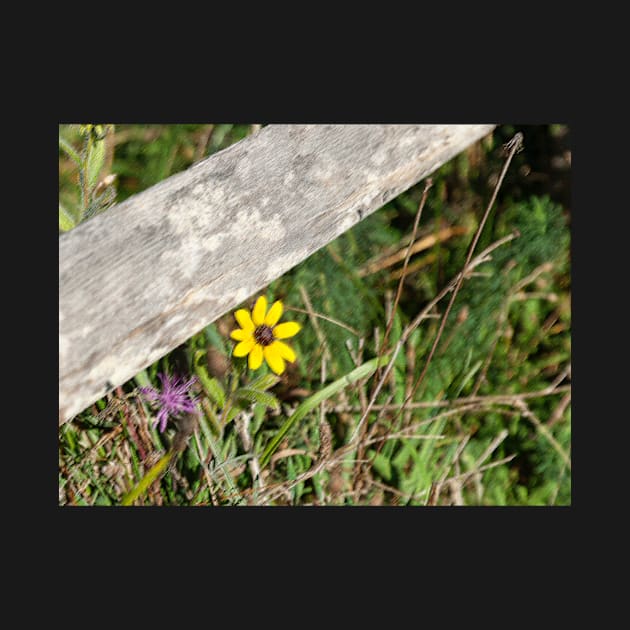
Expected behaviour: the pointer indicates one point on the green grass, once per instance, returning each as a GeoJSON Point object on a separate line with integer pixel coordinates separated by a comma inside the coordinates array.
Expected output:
{"type": "Point", "coordinates": [489, 423]}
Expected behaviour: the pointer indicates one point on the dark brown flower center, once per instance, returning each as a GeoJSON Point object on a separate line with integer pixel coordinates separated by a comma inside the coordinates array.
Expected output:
{"type": "Point", "coordinates": [263, 335]}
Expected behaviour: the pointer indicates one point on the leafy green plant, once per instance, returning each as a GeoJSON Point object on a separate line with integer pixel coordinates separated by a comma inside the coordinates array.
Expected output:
{"type": "Point", "coordinates": [96, 190]}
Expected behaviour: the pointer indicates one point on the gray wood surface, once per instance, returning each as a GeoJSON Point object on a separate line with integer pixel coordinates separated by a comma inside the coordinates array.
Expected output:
{"type": "Point", "coordinates": [141, 278]}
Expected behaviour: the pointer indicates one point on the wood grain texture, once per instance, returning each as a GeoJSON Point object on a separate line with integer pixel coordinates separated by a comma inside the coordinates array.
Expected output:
{"type": "Point", "coordinates": [141, 278]}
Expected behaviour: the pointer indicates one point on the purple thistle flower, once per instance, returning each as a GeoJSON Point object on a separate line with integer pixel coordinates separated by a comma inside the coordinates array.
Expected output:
{"type": "Point", "coordinates": [172, 400]}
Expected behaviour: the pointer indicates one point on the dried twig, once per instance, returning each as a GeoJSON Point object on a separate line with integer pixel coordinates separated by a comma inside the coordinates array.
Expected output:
{"type": "Point", "coordinates": [424, 243]}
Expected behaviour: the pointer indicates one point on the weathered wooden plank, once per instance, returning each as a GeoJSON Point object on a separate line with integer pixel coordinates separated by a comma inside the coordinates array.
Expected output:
{"type": "Point", "coordinates": [140, 279]}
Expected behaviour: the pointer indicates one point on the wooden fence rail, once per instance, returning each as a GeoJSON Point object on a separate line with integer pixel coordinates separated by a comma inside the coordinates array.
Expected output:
{"type": "Point", "coordinates": [141, 278]}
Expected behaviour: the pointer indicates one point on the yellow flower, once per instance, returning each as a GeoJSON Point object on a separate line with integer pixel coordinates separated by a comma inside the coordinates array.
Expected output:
{"type": "Point", "coordinates": [259, 335]}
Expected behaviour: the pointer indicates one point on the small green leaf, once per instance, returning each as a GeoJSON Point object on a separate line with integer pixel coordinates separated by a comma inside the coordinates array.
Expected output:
{"type": "Point", "coordinates": [254, 395]}
{"type": "Point", "coordinates": [142, 379]}
{"type": "Point", "coordinates": [260, 412]}
{"type": "Point", "coordinates": [66, 222]}
{"type": "Point", "coordinates": [95, 161]}
{"type": "Point", "coordinates": [216, 392]}
{"type": "Point", "coordinates": [232, 413]}
{"type": "Point", "coordinates": [264, 382]}
{"type": "Point", "coordinates": [211, 385]}
{"type": "Point", "coordinates": [291, 474]}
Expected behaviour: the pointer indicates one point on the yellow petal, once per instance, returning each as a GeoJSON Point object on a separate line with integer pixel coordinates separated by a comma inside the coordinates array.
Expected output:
{"type": "Point", "coordinates": [286, 329]}
{"type": "Point", "coordinates": [244, 348]}
{"type": "Point", "coordinates": [274, 314]}
{"type": "Point", "coordinates": [286, 352]}
{"type": "Point", "coordinates": [240, 335]}
{"type": "Point", "coordinates": [244, 320]}
{"type": "Point", "coordinates": [255, 357]}
{"type": "Point", "coordinates": [273, 358]}
{"type": "Point", "coordinates": [260, 308]}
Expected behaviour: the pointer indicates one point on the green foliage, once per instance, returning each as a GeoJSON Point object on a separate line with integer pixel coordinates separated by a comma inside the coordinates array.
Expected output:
{"type": "Point", "coordinates": [94, 192]}
{"type": "Point", "coordinates": [330, 279]}
{"type": "Point", "coordinates": [543, 236]}
{"type": "Point", "coordinates": [213, 387]}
